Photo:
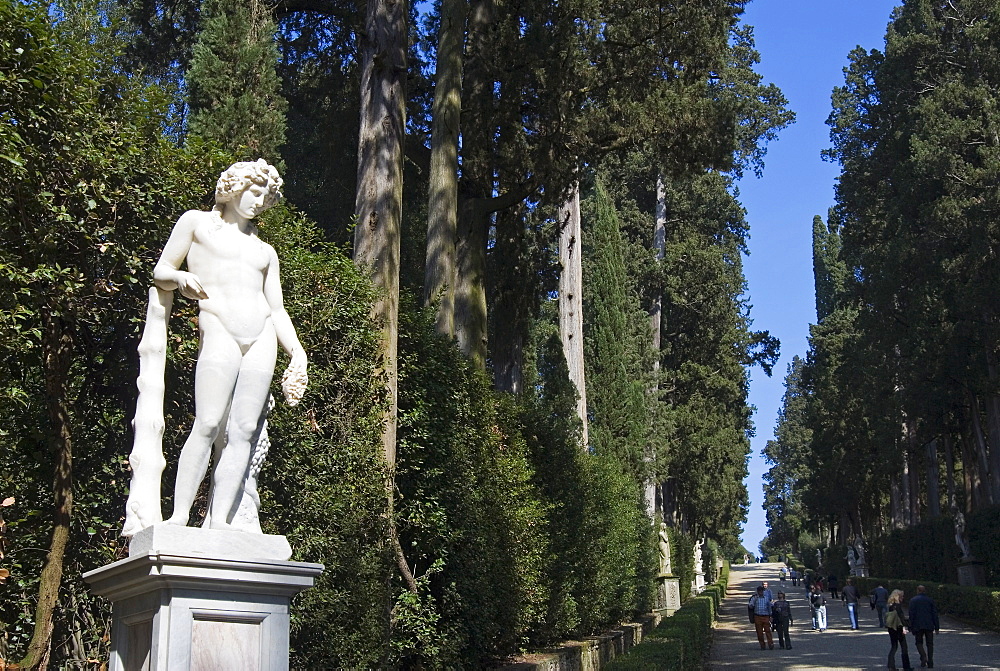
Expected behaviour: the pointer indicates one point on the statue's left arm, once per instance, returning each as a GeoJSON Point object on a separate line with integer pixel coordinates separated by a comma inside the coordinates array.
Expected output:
{"type": "Point", "coordinates": [295, 376]}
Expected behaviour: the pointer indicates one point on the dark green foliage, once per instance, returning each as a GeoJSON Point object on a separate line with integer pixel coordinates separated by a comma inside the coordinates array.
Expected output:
{"type": "Point", "coordinates": [928, 551]}
{"type": "Point", "coordinates": [707, 345]}
{"type": "Point", "coordinates": [233, 86]}
{"type": "Point", "coordinates": [788, 477]}
{"type": "Point", "coordinates": [977, 605]}
{"type": "Point", "coordinates": [616, 336]}
{"type": "Point", "coordinates": [91, 190]}
{"type": "Point", "coordinates": [680, 641]}
{"type": "Point", "coordinates": [322, 485]}
{"type": "Point", "coordinates": [471, 523]}
{"type": "Point", "coordinates": [682, 559]}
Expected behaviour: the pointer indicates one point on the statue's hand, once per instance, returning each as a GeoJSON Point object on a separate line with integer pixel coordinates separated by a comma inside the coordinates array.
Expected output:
{"type": "Point", "coordinates": [295, 378]}
{"type": "Point", "coordinates": [189, 285]}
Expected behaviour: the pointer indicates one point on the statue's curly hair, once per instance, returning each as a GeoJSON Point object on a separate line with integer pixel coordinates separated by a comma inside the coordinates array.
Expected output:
{"type": "Point", "coordinates": [237, 177]}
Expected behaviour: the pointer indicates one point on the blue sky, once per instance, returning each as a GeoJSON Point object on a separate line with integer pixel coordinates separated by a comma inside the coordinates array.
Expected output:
{"type": "Point", "coordinates": [803, 46]}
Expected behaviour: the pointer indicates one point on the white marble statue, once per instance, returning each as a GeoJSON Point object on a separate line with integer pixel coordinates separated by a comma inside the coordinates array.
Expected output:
{"type": "Point", "coordinates": [961, 540]}
{"type": "Point", "coordinates": [852, 560]}
{"type": "Point", "coordinates": [664, 550]}
{"type": "Point", "coordinates": [819, 557]}
{"type": "Point", "coordinates": [698, 562]}
{"type": "Point", "coordinates": [242, 319]}
{"type": "Point", "coordinates": [859, 546]}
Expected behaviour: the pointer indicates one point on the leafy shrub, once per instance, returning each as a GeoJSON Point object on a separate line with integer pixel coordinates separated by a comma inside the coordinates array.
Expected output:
{"type": "Point", "coordinates": [471, 521]}
{"type": "Point", "coordinates": [980, 605]}
{"type": "Point", "coordinates": [678, 642]}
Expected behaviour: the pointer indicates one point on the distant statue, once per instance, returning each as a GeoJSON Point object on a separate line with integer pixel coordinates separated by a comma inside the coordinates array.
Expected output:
{"type": "Point", "coordinates": [233, 275]}
{"type": "Point", "coordinates": [664, 550]}
{"type": "Point", "coordinates": [859, 545]}
{"type": "Point", "coordinates": [698, 562]}
{"type": "Point", "coordinates": [852, 561]}
{"type": "Point", "coordinates": [961, 538]}
{"type": "Point", "coordinates": [819, 557]}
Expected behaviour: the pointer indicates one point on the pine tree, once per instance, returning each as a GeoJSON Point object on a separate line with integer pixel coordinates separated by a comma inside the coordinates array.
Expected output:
{"type": "Point", "coordinates": [233, 86]}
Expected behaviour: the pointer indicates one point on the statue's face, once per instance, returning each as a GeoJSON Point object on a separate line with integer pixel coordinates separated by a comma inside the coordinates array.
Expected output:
{"type": "Point", "coordinates": [251, 201]}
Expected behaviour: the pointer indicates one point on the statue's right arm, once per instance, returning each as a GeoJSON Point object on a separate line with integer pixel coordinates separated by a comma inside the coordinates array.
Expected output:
{"type": "Point", "coordinates": [167, 274]}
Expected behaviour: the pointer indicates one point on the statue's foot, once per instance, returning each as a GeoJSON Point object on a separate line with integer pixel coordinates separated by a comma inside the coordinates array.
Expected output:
{"type": "Point", "coordinates": [178, 519]}
{"type": "Point", "coordinates": [225, 526]}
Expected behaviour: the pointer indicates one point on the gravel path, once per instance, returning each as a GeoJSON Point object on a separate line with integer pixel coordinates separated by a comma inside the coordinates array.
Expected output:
{"type": "Point", "coordinates": [735, 644]}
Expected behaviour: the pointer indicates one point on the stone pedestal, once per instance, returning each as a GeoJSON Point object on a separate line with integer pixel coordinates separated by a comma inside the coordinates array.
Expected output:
{"type": "Point", "coordinates": [668, 595]}
{"type": "Point", "coordinates": [699, 583]}
{"type": "Point", "coordinates": [860, 570]}
{"type": "Point", "coordinates": [971, 572]}
{"type": "Point", "coordinates": [182, 611]}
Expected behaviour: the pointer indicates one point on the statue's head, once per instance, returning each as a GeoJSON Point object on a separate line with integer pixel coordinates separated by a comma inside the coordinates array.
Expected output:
{"type": "Point", "coordinates": [237, 177]}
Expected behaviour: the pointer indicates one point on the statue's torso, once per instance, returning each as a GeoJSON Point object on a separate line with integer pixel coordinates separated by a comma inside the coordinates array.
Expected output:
{"type": "Point", "coordinates": [232, 267]}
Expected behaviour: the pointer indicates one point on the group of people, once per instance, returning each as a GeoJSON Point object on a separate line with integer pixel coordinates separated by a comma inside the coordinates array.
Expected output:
{"type": "Point", "coordinates": [920, 617]}
{"type": "Point", "coordinates": [767, 614]}
{"type": "Point", "coordinates": [790, 573]}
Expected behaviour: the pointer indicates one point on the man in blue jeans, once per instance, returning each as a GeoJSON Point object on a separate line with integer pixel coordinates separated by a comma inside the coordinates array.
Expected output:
{"type": "Point", "coordinates": [851, 597]}
{"type": "Point", "coordinates": [924, 623]}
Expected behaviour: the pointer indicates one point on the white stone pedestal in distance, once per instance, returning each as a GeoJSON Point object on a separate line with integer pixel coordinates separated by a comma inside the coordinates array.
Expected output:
{"type": "Point", "coordinates": [182, 611]}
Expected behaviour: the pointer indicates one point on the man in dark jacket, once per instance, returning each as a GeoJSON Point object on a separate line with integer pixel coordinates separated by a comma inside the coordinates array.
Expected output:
{"type": "Point", "coordinates": [851, 597]}
{"type": "Point", "coordinates": [781, 613]}
{"type": "Point", "coordinates": [880, 596]}
{"type": "Point", "coordinates": [924, 623]}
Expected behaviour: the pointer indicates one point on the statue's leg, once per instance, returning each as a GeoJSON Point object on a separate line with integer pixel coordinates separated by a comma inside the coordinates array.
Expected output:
{"type": "Point", "coordinates": [214, 380]}
{"type": "Point", "coordinates": [250, 396]}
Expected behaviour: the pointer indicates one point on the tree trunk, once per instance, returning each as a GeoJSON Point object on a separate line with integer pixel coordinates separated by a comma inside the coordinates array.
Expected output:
{"type": "Point", "coordinates": [57, 351]}
{"type": "Point", "coordinates": [571, 299]}
{"type": "Point", "coordinates": [972, 495]}
{"type": "Point", "coordinates": [659, 246]}
{"type": "Point", "coordinates": [477, 175]}
{"type": "Point", "coordinates": [949, 461]}
{"type": "Point", "coordinates": [933, 488]}
{"type": "Point", "coordinates": [442, 206]}
{"type": "Point", "coordinates": [379, 202]}
{"type": "Point", "coordinates": [656, 323]}
{"type": "Point", "coordinates": [981, 452]}
{"type": "Point", "coordinates": [896, 499]}
{"type": "Point", "coordinates": [993, 422]}
{"type": "Point", "coordinates": [513, 300]}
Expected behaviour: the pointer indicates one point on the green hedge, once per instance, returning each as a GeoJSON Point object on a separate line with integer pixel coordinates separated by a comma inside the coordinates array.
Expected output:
{"type": "Point", "coordinates": [979, 605]}
{"type": "Point", "coordinates": [927, 551]}
{"type": "Point", "coordinates": [795, 563]}
{"type": "Point", "coordinates": [681, 641]}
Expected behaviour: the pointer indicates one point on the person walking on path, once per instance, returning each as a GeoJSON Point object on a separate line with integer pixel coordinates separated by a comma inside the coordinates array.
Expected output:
{"type": "Point", "coordinates": [781, 610]}
{"type": "Point", "coordinates": [852, 598]}
{"type": "Point", "coordinates": [924, 624]}
{"type": "Point", "coordinates": [761, 604]}
{"type": "Point", "coordinates": [818, 601]}
{"type": "Point", "coordinates": [880, 598]}
{"type": "Point", "coordinates": [795, 577]}
{"type": "Point", "coordinates": [897, 623]}
{"type": "Point", "coordinates": [834, 586]}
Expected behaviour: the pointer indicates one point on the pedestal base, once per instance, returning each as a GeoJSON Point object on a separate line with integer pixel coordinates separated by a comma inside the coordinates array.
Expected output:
{"type": "Point", "coordinates": [971, 572]}
{"type": "Point", "coordinates": [699, 583]}
{"type": "Point", "coordinates": [668, 595]}
{"type": "Point", "coordinates": [195, 613]}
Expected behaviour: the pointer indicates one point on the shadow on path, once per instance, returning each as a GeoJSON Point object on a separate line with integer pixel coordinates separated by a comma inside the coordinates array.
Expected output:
{"type": "Point", "coordinates": [735, 644]}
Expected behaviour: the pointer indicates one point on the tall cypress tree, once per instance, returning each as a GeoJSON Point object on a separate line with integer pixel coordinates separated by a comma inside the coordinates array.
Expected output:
{"type": "Point", "coordinates": [616, 336]}
{"type": "Point", "coordinates": [233, 86]}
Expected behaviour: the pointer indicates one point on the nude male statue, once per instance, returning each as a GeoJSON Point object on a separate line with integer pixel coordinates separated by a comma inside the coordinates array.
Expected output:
{"type": "Point", "coordinates": [242, 319]}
